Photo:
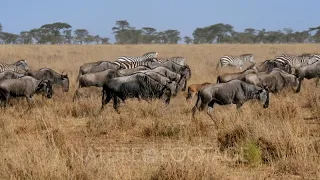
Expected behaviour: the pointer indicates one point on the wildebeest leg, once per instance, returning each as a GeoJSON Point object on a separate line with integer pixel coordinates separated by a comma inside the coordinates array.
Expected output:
{"type": "Point", "coordinates": [116, 104]}
{"type": "Point", "coordinates": [76, 95]}
{"type": "Point", "coordinates": [318, 82]}
{"type": "Point", "coordinates": [107, 99]}
{"type": "Point", "coordinates": [209, 112]}
{"type": "Point", "coordinates": [30, 101]}
{"type": "Point", "coordinates": [299, 85]}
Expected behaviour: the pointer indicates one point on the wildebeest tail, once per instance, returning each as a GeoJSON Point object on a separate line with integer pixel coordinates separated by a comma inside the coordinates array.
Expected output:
{"type": "Point", "coordinates": [218, 65]}
{"type": "Point", "coordinates": [218, 79]}
{"type": "Point", "coordinates": [189, 94]}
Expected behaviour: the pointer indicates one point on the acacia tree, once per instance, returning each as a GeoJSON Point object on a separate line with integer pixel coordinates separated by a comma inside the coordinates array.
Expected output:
{"type": "Point", "coordinates": [26, 37]}
{"type": "Point", "coordinates": [187, 40]}
{"type": "Point", "coordinates": [55, 31]}
{"type": "Point", "coordinates": [81, 35]}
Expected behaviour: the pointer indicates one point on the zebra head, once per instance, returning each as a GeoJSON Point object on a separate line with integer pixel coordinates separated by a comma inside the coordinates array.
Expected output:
{"type": "Point", "coordinates": [22, 65]}
{"type": "Point", "coordinates": [250, 58]}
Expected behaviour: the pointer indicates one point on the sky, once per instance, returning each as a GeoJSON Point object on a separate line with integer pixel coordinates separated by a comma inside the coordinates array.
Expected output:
{"type": "Point", "coordinates": [99, 16]}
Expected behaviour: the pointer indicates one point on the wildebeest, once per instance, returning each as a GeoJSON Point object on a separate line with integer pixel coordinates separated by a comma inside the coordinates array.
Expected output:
{"type": "Point", "coordinates": [20, 66]}
{"type": "Point", "coordinates": [172, 85]}
{"type": "Point", "coordinates": [96, 67]}
{"type": "Point", "coordinates": [10, 75]}
{"type": "Point", "coordinates": [96, 79]}
{"type": "Point", "coordinates": [25, 86]}
{"type": "Point", "coordinates": [276, 80]}
{"type": "Point", "coordinates": [173, 76]}
{"type": "Point", "coordinates": [49, 74]}
{"type": "Point", "coordinates": [193, 90]}
{"type": "Point", "coordinates": [309, 72]}
{"type": "Point", "coordinates": [232, 92]}
{"type": "Point", "coordinates": [236, 75]}
{"type": "Point", "coordinates": [269, 65]}
{"type": "Point", "coordinates": [139, 86]}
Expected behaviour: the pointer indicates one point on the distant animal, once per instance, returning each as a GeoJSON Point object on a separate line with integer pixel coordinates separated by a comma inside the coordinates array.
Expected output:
{"type": "Point", "coordinates": [138, 85]}
{"type": "Point", "coordinates": [148, 55]}
{"type": "Point", "coordinates": [10, 75]}
{"type": "Point", "coordinates": [235, 61]}
{"type": "Point", "coordinates": [309, 72]}
{"type": "Point", "coordinates": [193, 90]}
{"type": "Point", "coordinates": [276, 80]}
{"type": "Point", "coordinates": [49, 74]}
{"type": "Point", "coordinates": [236, 75]}
{"type": "Point", "coordinates": [25, 86]}
{"type": "Point", "coordinates": [269, 65]}
{"type": "Point", "coordinates": [96, 79]}
{"type": "Point", "coordinates": [20, 66]}
{"type": "Point", "coordinates": [232, 92]}
{"type": "Point", "coordinates": [128, 72]}
{"type": "Point", "coordinates": [97, 67]}
{"type": "Point", "coordinates": [296, 61]}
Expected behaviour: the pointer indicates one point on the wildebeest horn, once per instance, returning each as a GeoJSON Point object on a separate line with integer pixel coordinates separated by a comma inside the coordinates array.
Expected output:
{"type": "Point", "coordinates": [64, 73]}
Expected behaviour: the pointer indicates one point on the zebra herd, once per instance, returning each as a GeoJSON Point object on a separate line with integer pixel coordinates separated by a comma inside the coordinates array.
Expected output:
{"type": "Point", "coordinates": [148, 77]}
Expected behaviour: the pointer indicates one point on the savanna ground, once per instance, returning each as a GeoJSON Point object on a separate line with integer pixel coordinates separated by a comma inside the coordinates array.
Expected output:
{"type": "Point", "coordinates": [59, 139]}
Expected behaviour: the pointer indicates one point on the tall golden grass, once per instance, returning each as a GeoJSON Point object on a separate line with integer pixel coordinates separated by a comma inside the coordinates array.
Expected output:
{"type": "Point", "coordinates": [59, 139]}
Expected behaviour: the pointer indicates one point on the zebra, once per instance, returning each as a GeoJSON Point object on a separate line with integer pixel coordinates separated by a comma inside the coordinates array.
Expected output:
{"type": "Point", "coordinates": [178, 60]}
{"type": "Point", "coordinates": [133, 64]}
{"type": "Point", "coordinates": [296, 61]}
{"type": "Point", "coordinates": [235, 61]}
{"type": "Point", "coordinates": [20, 66]}
{"type": "Point", "coordinates": [148, 55]}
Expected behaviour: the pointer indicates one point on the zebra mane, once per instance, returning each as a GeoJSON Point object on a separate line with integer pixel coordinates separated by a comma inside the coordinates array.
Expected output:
{"type": "Point", "coordinates": [246, 55]}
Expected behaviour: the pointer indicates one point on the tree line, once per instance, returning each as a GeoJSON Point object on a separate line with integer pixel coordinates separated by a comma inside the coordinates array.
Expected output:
{"type": "Point", "coordinates": [124, 33]}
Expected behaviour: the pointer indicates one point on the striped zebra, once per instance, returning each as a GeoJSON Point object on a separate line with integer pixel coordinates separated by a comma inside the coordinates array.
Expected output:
{"type": "Point", "coordinates": [148, 55]}
{"type": "Point", "coordinates": [133, 64]}
{"type": "Point", "coordinates": [179, 60]}
{"type": "Point", "coordinates": [20, 66]}
{"type": "Point", "coordinates": [296, 61]}
{"type": "Point", "coordinates": [235, 61]}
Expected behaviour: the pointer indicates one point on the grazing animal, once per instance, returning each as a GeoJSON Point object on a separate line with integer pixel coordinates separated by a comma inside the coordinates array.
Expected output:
{"type": "Point", "coordinates": [95, 79]}
{"type": "Point", "coordinates": [236, 75]}
{"type": "Point", "coordinates": [233, 92]}
{"type": "Point", "coordinates": [10, 75]}
{"type": "Point", "coordinates": [20, 66]}
{"type": "Point", "coordinates": [269, 65]}
{"type": "Point", "coordinates": [276, 80]}
{"type": "Point", "coordinates": [135, 86]}
{"type": "Point", "coordinates": [25, 86]}
{"type": "Point", "coordinates": [193, 90]}
{"type": "Point", "coordinates": [309, 72]}
{"type": "Point", "coordinates": [49, 74]}
{"type": "Point", "coordinates": [296, 61]}
{"type": "Point", "coordinates": [148, 55]}
{"type": "Point", "coordinates": [128, 72]}
{"type": "Point", "coordinates": [235, 61]}
{"type": "Point", "coordinates": [97, 67]}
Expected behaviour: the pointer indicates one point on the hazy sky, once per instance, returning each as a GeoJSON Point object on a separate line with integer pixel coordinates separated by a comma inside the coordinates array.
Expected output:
{"type": "Point", "coordinates": [99, 16]}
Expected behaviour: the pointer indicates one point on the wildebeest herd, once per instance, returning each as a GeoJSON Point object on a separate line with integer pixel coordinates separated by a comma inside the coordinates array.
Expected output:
{"type": "Point", "coordinates": [149, 77]}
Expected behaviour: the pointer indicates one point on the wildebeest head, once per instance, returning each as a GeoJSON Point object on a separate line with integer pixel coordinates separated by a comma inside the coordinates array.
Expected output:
{"type": "Point", "coordinates": [22, 65]}
{"type": "Point", "coordinates": [166, 95]}
{"type": "Point", "coordinates": [65, 81]}
{"type": "Point", "coordinates": [263, 94]}
{"type": "Point", "coordinates": [173, 86]}
{"type": "Point", "coordinates": [45, 86]}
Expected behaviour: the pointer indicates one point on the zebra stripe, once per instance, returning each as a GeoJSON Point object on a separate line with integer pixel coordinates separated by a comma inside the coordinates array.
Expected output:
{"type": "Point", "coordinates": [179, 60]}
{"type": "Point", "coordinates": [235, 61]}
{"type": "Point", "coordinates": [130, 65]}
{"type": "Point", "coordinates": [148, 55]}
{"type": "Point", "coordinates": [18, 66]}
{"type": "Point", "coordinates": [296, 61]}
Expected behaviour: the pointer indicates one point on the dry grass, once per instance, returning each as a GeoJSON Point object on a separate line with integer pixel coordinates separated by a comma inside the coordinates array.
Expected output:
{"type": "Point", "coordinates": [59, 139]}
